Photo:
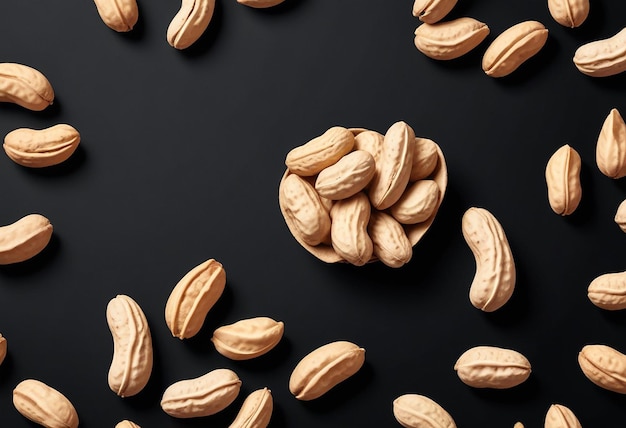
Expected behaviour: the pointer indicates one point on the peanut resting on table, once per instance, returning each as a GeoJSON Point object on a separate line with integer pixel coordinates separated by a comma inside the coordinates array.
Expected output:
{"type": "Point", "coordinates": [448, 40]}
{"type": "Point", "coordinates": [608, 291]}
{"type": "Point", "coordinates": [492, 367]}
{"type": "Point", "coordinates": [127, 424]}
{"type": "Point", "coordinates": [559, 416]}
{"type": "Point", "coordinates": [248, 338]}
{"type": "Point", "coordinates": [611, 146]}
{"type": "Point", "coordinates": [419, 411]}
{"type": "Point", "coordinates": [40, 148]}
{"type": "Point", "coordinates": [602, 58]}
{"type": "Point", "coordinates": [24, 86]}
{"type": "Point", "coordinates": [256, 410]}
{"type": "Point", "coordinates": [3, 348]}
{"type": "Point", "coordinates": [563, 180]}
{"type": "Point", "coordinates": [260, 4]}
{"type": "Point", "coordinates": [190, 22]}
{"type": "Point", "coordinates": [604, 366]}
{"type": "Point", "coordinates": [118, 15]}
{"type": "Point", "coordinates": [44, 405]}
{"type": "Point", "coordinates": [431, 11]}
{"type": "Point", "coordinates": [24, 239]}
{"type": "Point", "coordinates": [569, 13]}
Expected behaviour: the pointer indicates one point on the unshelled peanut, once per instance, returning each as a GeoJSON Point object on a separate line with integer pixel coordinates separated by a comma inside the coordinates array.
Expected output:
{"type": "Point", "coordinates": [24, 239]}
{"type": "Point", "coordinates": [44, 405]}
{"type": "Point", "coordinates": [447, 40]}
{"type": "Point", "coordinates": [602, 58]}
{"type": "Point", "coordinates": [25, 86]}
{"type": "Point", "coordinates": [419, 411]}
{"type": "Point", "coordinates": [39, 148]}
{"type": "Point", "coordinates": [248, 338]}
{"type": "Point", "coordinates": [492, 367]}
{"type": "Point", "coordinates": [563, 180]}
{"type": "Point", "coordinates": [190, 22]}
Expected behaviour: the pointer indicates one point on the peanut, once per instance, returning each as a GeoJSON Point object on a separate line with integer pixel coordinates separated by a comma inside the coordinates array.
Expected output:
{"type": "Point", "coordinates": [602, 58]}
{"type": "Point", "coordinates": [369, 141]}
{"type": "Point", "coordinates": [419, 411]}
{"type": "Point", "coordinates": [24, 86]}
{"type": "Point", "coordinates": [492, 367]}
{"type": "Point", "coordinates": [513, 47]}
{"type": "Point", "coordinates": [611, 146]}
{"type": "Point", "coordinates": [131, 365]}
{"type": "Point", "coordinates": [320, 152]}
{"type": "Point", "coordinates": [256, 410]}
{"type": "Point", "coordinates": [347, 177]}
{"type": "Point", "coordinates": [190, 22]}
{"type": "Point", "coordinates": [563, 180]}
{"type": "Point", "coordinates": [604, 366]}
{"type": "Point", "coordinates": [126, 424]}
{"type": "Point", "coordinates": [324, 368]}
{"type": "Point", "coordinates": [417, 203]}
{"type": "Point", "coordinates": [424, 159]}
{"type": "Point", "coordinates": [260, 4]}
{"type": "Point", "coordinates": [118, 15]}
{"type": "Point", "coordinates": [450, 39]}
{"type": "Point", "coordinates": [3, 348]}
{"type": "Point", "coordinates": [24, 239]}
{"type": "Point", "coordinates": [494, 280]}
{"type": "Point", "coordinates": [348, 229]}
{"type": "Point", "coordinates": [559, 416]}
{"type": "Point", "coordinates": [620, 216]}
{"type": "Point", "coordinates": [248, 338]}
{"type": "Point", "coordinates": [518, 425]}
{"type": "Point", "coordinates": [431, 11]}
{"type": "Point", "coordinates": [569, 13]}
{"type": "Point", "coordinates": [192, 297]}
{"type": "Point", "coordinates": [44, 405]}
{"type": "Point", "coordinates": [201, 396]}
{"type": "Point", "coordinates": [41, 148]}
{"type": "Point", "coordinates": [391, 244]}
{"type": "Point", "coordinates": [608, 291]}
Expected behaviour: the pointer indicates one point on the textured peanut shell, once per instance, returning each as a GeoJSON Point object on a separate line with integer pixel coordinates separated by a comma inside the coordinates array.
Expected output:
{"type": "Point", "coordinates": [351, 174]}
{"type": "Point", "coordinates": [604, 366]}
{"type": "Point", "coordinates": [513, 47]}
{"type": "Point", "coordinates": [3, 348]}
{"type": "Point", "coordinates": [118, 15]}
{"type": "Point", "coordinates": [348, 229]}
{"type": "Point", "coordinates": [447, 40]}
{"type": "Point", "coordinates": [417, 203]}
{"type": "Point", "coordinates": [24, 239]}
{"type": "Point", "coordinates": [320, 152]}
{"type": "Point", "coordinates": [39, 148]}
{"type": "Point", "coordinates": [563, 180]}
{"type": "Point", "coordinates": [611, 146]}
{"type": "Point", "coordinates": [44, 405]}
{"type": "Point", "coordinates": [492, 367]}
{"type": "Point", "coordinates": [419, 411]}
{"type": "Point", "coordinates": [602, 58]}
{"type": "Point", "coordinates": [425, 159]}
{"type": "Point", "coordinates": [248, 338]}
{"type": "Point", "coordinates": [324, 368]}
{"type": "Point", "coordinates": [620, 216]}
{"type": "Point", "coordinates": [201, 396]}
{"type": "Point", "coordinates": [190, 22]}
{"type": "Point", "coordinates": [494, 280]}
{"type": "Point", "coordinates": [391, 245]}
{"type": "Point", "coordinates": [569, 13]}
{"type": "Point", "coordinates": [559, 416]}
{"type": "Point", "coordinates": [193, 297]}
{"type": "Point", "coordinates": [256, 410]}
{"type": "Point", "coordinates": [132, 361]}
{"type": "Point", "coordinates": [369, 141]}
{"type": "Point", "coordinates": [25, 86]}
{"type": "Point", "coordinates": [260, 4]}
{"type": "Point", "coordinates": [518, 425]}
{"type": "Point", "coordinates": [608, 291]}
{"type": "Point", "coordinates": [431, 11]}
{"type": "Point", "coordinates": [126, 424]}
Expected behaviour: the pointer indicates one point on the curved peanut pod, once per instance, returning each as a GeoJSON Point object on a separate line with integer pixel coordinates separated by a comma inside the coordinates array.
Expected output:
{"type": "Point", "coordinates": [513, 47]}
{"type": "Point", "coordinates": [351, 174]}
{"type": "Point", "coordinates": [193, 297]}
{"type": "Point", "coordinates": [450, 39]}
{"type": "Point", "coordinates": [126, 424]}
{"type": "Point", "coordinates": [131, 365]}
{"type": "Point", "coordinates": [492, 367]}
{"type": "Point", "coordinates": [602, 58]}
{"type": "Point", "coordinates": [608, 291]}
{"type": "Point", "coordinates": [248, 338]}
{"type": "Point", "coordinates": [563, 180]}
{"type": "Point", "coordinates": [604, 366]}
{"type": "Point", "coordinates": [559, 416]}
{"type": "Point", "coordinates": [611, 146]}
{"type": "Point", "coordinates": [260, 4]}
{"type": "Point", "coordinates": [431, 11]}
{"type": "Point", "coordinates": [348, 229]}
{"type": "Point", "coordinates": [118, 15]}
{"type": "Point", "coordinates": [391, 243]}
{"type": "Point", "coordinates": [620, 216]}
{"type": "Point", "coordinates": [41, 148]}
{"type": "Point", "coordinates": [417, 203]}
{"type": "Point", "coordinates": [44, 405]}
{"type": "Point", "coordinates": [320, 152]}
{"type": "Point", "coordinates": [419, 411]}
{"type": "Point", "coordinates": [190, 22]}
{"type": "Point", "coordinates": [494, 280]}
{"type": "Point", "coordinates": [425, 159]}
{"type": "Point", "coordinates": [256, 410]}
{"type": "Point", "coordinates": [3, 348]}
{"type": "Point", "coordinates": [24, 239]}
{"type": "Point", "coordinates": [201, 396]}
{"type": "Point", "coordinates": [24, 86]}
{"type": "Point", "coordinates": [569, 13]}
{"type": "Point", "coordinates": [369, 141]}
{"type": "Point", "coordinates": [324, 368]}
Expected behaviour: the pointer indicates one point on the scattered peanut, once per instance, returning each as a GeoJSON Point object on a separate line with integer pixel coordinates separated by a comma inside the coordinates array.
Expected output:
{"type": "Point", "coordinates": [256, 410]}
{"type": "Point", "coordinates": [3, 348]}
{"type": "Point", "coordinates": [391, 245]}
{"type": "Point", "coordinates": [190, 22]}
{"type": "Point", "coordinates": [41, 148]}
{"type": "Point", "coordinates": [127, 424]}
{"type": "Point", "coordinates": [118, 15]}
{"type": "Point", "coordinates": [320, 152]}
{"type": "Point", "coordinates": [569, 13]}
{"type": "Point", "coordinates": [608, 291]}
{"type": "Point", "coordinates": [559, 416]}
{"type": "Point", "coordinates": [492, 367]}
{"type": "Point", "coordinates": [620, 216]}
{"type": "Point", "coordinates": [563, 180]}
{"type": "Point", "coordinates": [431, 11]}
{"type": "Point", "coordinates": [448, 40]}
{"type": "Point", "coordinates": [260, 4]}
{"type": "Point", "coordinates": [602, 58]}
{"type": "Point", "coordinates": [604, 366]}
{"type": "Point", "coordinates": [518, 425]}
{"type": "Point", "coordinates": [348, 229]}
{"type": "Point", "coordinates": [419, 411]}
{"type": "Point", "coordinates": [248, 338]}
{"type": "Point", "coordinates": [24, 86]}
{"type": "Point", "coordinates": [611, 146]}
{"type": "Point", "coordinates": [44, 405]}
{"type": "Point", "coordinates": [24, 239]}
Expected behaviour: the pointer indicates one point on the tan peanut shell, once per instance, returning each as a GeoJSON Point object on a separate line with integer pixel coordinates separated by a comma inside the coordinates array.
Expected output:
{"type": "Point", "coordinates": [260, 4]}
{"type": "Point", "coordinates": [431, 11]}
{"type": "Point", "coordinates": [447, 40]}
{"type": "Point", "coordinates": [608, 291]}
{"type": "Point", "coordinates": [604, 366]}
{"type": "Point", "coordinates": [192, 297]}
{"type": "Point", "coordinates": [324, 368]}
{"type": "Point", "coordinates": [569, 13]}
{"type": "Point", "coordinates": [425, 159]}
{"type": "Point", "coordinates": [513, 47]}
{"type": "Point", "coordinates": [494, 280]}
{"type": "Point", "coordinates": [602, 58]}
{"type": "Point", "coordinates": [320, 152]}
{"type": "Point", "coordinates": [419, 411]}
{"type": "Point", "coordinates": [25, 86]}
{"type": "Point", "coordinates": [518, 425]}
{"type": "Point", "coordinates": [611, 146]}
{"type": "Point", "coordinates": [190, 22]}
{"type": "Point", "coordinates": [563, 180]}
{"type": "Point", "coordinates": [348, 229]}
{"type": "Point", "coordinates": [304, 211]}
{"type": "Point", "coordinates": [620, 216]}
{"type": "Point", "coordinates": [347, 177]}
{"type": "Point", "coordinates": [248, 338]}
{"type": "Point", "coordinates": [417, 203]}
{"type": "Point", "coordinates": [201, 396]}
{"type": "Point", "coordinates": [126, 424]}
{"type": "Point", "coordinates": [559, 416]}
{"type": "Point", "coordinates": [24, 239]}
{"type": "Point", "coordinates": [3, 348]}
{"type": "Point", "coordinates": [44, 405]}
{"type": "Point", "coordinates": [369, 141]}
{"type": "Point", "coordinates": [256, 410]}
{"type": "Point", "coordinates": [131, 365]}
{"type": "Point", "coordinates": [118, 15]}
{"type": "Point", "coordinates": [393, 168]}
{"type": "Point", "coordinates": [391, 245]}
{"type": "Point", "coordinates": [39, 148]}
{"type": "Point", "coordinates": [492, 367]}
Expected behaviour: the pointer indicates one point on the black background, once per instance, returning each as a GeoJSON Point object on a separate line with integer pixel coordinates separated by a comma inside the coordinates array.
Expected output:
{"type": "Point", "coordinates": [180, 160]}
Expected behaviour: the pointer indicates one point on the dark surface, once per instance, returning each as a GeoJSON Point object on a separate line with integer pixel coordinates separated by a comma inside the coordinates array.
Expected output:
{"type": "Point", "coordinates": [180, 160]}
